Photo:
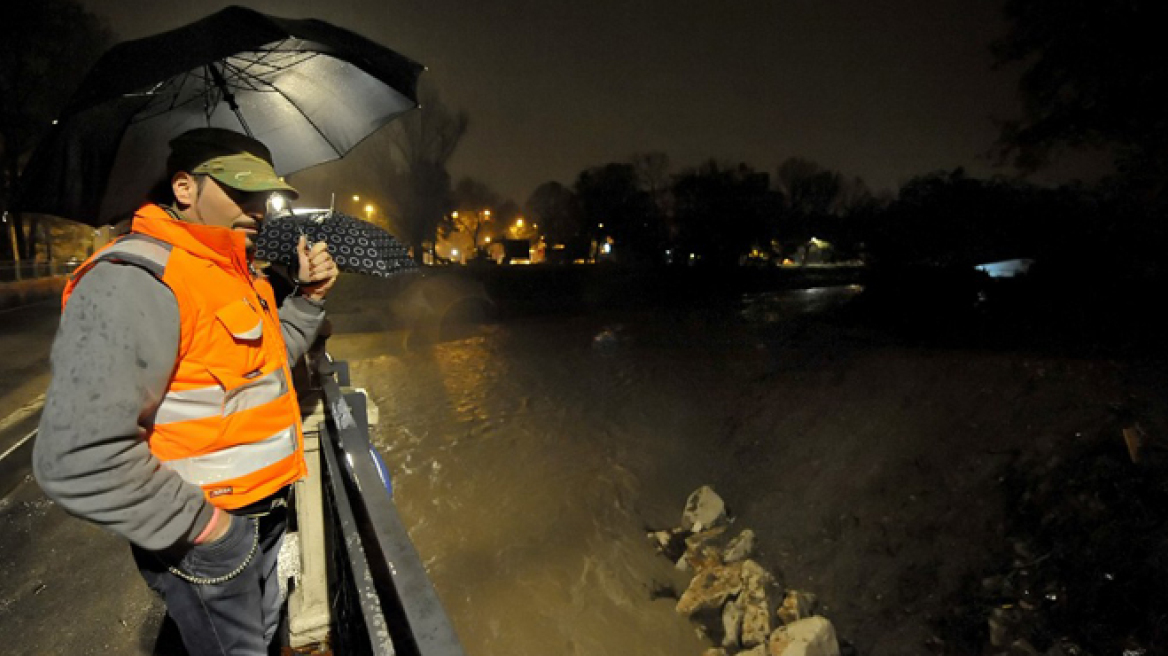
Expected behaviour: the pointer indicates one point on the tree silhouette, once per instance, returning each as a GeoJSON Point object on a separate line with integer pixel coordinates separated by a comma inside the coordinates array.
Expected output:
{"type": "Point", "coordinates": [46, 47]}
{"type": "Point", "coordinates": [611, 196]}
{"type": "Point", "coordinates": [723, 211]}
{"type": "Point", "coordinates": [422, 143]}
{"type": "Point", "coordinates": [1095, 74]}
{"type": "Point", "coordinates": [557, 210]}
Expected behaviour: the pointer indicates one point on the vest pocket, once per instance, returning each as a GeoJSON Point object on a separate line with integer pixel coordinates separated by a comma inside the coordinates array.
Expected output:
{"type": "Point", "coordinates": [241, 320]}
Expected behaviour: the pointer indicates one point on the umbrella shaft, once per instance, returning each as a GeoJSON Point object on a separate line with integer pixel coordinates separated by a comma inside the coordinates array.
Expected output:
{"type": "Point", "coordinates": [217, 76]}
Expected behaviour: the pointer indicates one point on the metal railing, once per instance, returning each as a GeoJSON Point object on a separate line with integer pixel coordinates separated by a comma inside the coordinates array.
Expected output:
{"type": "Point", "coordinates": [31, 270]}
{"type": "Point", "coordinates": [383, 601]}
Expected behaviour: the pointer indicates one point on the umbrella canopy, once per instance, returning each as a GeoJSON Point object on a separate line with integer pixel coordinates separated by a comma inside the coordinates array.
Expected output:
{"type": "Point", "coordinates": [309, 90]}
{"type": "Point", "coordinates": [357, 246]}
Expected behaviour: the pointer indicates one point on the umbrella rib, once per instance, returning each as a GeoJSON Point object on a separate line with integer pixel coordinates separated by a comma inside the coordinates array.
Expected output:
{"type": "Point", "coordinates": [243, 79]}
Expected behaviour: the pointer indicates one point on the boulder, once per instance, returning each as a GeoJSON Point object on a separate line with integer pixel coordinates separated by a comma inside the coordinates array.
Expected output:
{"type": "Point", "coordinates": [703, 509]}
{"type": "Point", "coordinates": [671, 543]}
{"type": "Point", "coordinates": [754, 575]}
{"type": "Point", "coordinates": [813, 636]}
{"type": "Point", "coordinates": [710, 588]}
{"type": "Point", "coordinates": [701, 558]}
{"type": "Point", "coordinates": [699, 539]}
{"type": "Point", "coordinates": [740, 548]}
{"type": "Point", "coordinates": [796, 606]}
{"type": "Point", "coordinates": [732, 624]}
{"type": "Point", "coordinates": [756, 616]}
{"type": "Point", "coordinates": [755, 603]}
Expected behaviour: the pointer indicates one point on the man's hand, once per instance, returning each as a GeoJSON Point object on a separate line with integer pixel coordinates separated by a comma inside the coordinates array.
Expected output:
{"type": "Point", "coordinates": [317, 272]}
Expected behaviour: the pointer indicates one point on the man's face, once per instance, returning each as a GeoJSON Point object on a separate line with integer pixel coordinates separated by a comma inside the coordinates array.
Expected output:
{"type": "Point", "coordinates": [206, 201]}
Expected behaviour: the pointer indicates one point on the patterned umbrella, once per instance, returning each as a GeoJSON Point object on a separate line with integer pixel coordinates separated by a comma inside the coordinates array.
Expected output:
{"type": "Point", "coordinates": [357, 246]}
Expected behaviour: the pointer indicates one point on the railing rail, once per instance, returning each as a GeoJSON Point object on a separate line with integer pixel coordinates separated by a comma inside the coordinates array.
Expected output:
{"type": "Point", "coordinates": [11, 271]}
{"type": "Point", "coordinates": [400, 612]}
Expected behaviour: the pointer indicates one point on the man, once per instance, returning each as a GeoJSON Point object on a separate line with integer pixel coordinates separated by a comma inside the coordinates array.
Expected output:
{"type": "Point", "coordinates": [170, 419]}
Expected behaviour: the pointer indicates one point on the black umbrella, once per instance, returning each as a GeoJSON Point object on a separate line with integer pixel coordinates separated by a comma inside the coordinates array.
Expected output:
{"type": "Point", "coordinates": [307, 89]}
{"type": "Point", "coordinates": [357, 246]}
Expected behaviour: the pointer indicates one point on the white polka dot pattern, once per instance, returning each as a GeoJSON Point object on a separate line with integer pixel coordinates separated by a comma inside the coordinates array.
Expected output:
{"type": "Point", "coordinates": [357, 246]}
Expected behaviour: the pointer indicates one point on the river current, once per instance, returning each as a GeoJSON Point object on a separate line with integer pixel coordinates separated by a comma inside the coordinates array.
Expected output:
{"type": "Point", "coordinates": [530, 456]}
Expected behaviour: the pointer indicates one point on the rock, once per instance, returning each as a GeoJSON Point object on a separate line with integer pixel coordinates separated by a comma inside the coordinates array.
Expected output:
{"type": "Point", "coordinates": [740, 548]}
{"type": "Point", "coordinates": [702, 558]}
{"type": "Point", "coordinates": [796, 606]}
{"type": "Point", "coordinates": [671, 543]}
{"type": "Point", "coordinates": [813, 636]}
{"type": "Point", "coordinates": [1022, 647]}
{"type": "Point", "coordinates": [697, 540]}
{"type": "Point", "coordinates": [710, 588]}
{"type": "Point", "coordinates": [714, 651]}
{"type": "Point", "coordinates": [759, 650]}
{"type": "Point", "coordinates": [756, 616]}
{"type": "Point", "coordinates": [731, 624]}
{"type": "Point", "coordinates": [754, 575]}
{"type": "Point", "coordinates": [703, 509]}
{"type": "Point", "coordinates": [1001, 624]}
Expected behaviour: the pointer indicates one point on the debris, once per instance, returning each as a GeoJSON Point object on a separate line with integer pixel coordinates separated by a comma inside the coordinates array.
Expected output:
{"type": "Point", "coordinates": [710, 588]}
{"type": "Point", "coordinates": [741, 547]}
{"type": "Point", "coordinates": [796, 606]}
{"type": "Point", "coordinates": [704, 509]}
{"type": "Point", "coordinates": [1136, 438]}
{"type": "Point", "coordinates": [814, 636]}
{"type": "Point", "coordinates": [700, 538]}
{"type": "Point", "coordinates": [732, 624]}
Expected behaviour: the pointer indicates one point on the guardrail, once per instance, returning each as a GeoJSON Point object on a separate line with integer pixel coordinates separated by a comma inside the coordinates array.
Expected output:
{"type": "Point", "coordinates": [30, 270]}
{"type": "Point", "coordinates": [382, 601]}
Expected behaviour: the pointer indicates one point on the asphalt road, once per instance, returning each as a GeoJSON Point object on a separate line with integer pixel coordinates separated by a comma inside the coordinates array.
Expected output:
{"type": "Point", "coordinates": [66, 587]}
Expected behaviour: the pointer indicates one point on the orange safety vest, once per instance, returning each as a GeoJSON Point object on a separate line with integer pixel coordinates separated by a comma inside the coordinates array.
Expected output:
{"type": "Point", "coordinates": [229, 420]}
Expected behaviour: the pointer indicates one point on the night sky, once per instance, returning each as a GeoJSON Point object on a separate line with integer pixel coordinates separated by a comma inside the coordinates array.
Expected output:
{"type": "Point", "coordinates": [882, 89]}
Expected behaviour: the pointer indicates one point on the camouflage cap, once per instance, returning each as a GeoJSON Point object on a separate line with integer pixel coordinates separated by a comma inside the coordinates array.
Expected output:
{"type": "Point", "coordinates": [236, 160]}
{"type": "Point", "coordinates": [245, 172]}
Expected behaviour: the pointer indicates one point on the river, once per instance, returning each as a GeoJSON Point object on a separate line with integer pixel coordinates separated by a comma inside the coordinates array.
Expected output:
{"type": "Point", "coordinates": [531, 455]}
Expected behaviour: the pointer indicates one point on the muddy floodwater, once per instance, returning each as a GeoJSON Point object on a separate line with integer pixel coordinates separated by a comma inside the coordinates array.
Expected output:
{"type": "Point", "coordinates": [530, 454]}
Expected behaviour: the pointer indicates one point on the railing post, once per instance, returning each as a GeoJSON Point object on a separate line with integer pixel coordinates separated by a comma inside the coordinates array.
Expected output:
{"type": "Point", "coordinates": [308, 604]}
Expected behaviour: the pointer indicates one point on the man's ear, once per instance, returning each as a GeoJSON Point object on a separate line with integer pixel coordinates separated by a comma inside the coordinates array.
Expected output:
{"type": "Point", "coordinates": [185, 188]}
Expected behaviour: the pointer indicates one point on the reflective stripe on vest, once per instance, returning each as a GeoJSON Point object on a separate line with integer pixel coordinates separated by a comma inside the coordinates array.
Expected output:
{"type": "Point", "coordinates": [141, 250]}
{"type": "Point", "coordinates": [205, 402]}
{"type": "Point", "coordinates": [235, 461]}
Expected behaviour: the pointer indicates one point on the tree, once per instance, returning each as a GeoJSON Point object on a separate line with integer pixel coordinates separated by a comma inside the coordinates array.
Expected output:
{"type": "Point", "coordinates": [611, 196]}
{"type": "Point", "coordinates": [1094, 74]}
{"type": "Point", "coordinates": [653, 177]}
{"type": "Point", "coordinates": [475, 211]}
{"type": "Point", "coordinates": [423, 142]}
{"type": "Point", "coordinates": [808, 188]}
{"type": "Point", "coordinates": [722, 211]}
{"type": "Point", "coordinates": [46, 46]}
{"type": "Point", "coordinates": [557, 210]}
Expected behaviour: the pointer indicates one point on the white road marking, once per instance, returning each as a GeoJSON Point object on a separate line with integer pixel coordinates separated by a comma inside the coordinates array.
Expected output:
{"type": "Point", "coordinates": [24, 412]}
{"type": "Point", "coordinates": [18, 444]}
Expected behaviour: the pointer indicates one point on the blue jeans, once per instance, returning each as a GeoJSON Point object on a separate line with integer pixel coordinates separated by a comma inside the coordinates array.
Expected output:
{"type": "Point", "coordinates": [237, 617]}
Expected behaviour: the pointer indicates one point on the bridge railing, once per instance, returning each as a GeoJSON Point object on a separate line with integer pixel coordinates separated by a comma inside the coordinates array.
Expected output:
{"type": "Point", "coordinates": [380, 599]}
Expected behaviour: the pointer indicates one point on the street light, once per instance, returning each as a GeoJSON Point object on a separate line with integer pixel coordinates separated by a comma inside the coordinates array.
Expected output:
{"type": "Point", "coordinates": [369, 212]}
